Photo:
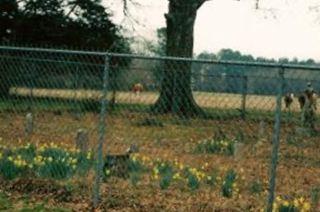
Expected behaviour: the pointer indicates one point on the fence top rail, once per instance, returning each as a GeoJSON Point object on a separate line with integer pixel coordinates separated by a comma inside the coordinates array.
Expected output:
{"type": "Point", "coordinates": [48, 50]}
{"type": "Point", "coordinates": [164, 58]}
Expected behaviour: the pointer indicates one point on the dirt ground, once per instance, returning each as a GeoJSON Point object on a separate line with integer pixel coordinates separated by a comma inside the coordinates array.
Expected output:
{"type": "Point", "coordinates": [298, 168]}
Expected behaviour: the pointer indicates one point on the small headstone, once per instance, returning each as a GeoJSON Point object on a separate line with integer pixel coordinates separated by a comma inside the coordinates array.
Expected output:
{"type": "Point", "coordinates": [29, 124]}
{"type": "Point", "coordinates": [262, 127]}
{"type": "Point", "coordinates": [82, 140]}
{"type": "Point", "coordinates": [238, 150]}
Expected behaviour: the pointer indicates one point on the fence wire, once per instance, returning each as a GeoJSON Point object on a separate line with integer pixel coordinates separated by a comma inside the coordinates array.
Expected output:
{"type": "Point", "coordinates": [161, 133]}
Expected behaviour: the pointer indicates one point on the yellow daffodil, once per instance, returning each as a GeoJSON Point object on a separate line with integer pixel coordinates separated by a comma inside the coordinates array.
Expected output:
{"type": "Point", "coordinates": [156, 170]}
{"type": "Point", "coordinates": [176, 176]}
{"type": "Point", "coordinates": [285, 203]}
{"type": "Point", "coordinates": [181, 166]}
{"type": "Point", "coordinates": [278, 198]}
{"type": "Point", "coordinates": [306, 206]}
{"type": "Point", "coordinates": [107, 172]}
{"type": "Point", "coordinates": [296, 203]}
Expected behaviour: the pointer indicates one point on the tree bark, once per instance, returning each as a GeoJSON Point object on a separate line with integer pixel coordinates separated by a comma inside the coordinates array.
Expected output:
{"type": "Point", "coordinates": [176, 93]}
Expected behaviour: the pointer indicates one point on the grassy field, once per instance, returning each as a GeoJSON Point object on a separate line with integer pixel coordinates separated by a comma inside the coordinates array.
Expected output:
{"type": "Point", "coordinates": [169, 140]}
{"type": "Point", "coordinates": [204, 99]}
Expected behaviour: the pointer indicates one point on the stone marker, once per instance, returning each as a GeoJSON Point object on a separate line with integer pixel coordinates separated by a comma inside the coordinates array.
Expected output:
{"type": "Point", "coordinates": [262, 127]}
{"type": "Point", "coordinates": [82, 140]}
{"type": "Point", "coordinates": [29, 124]}
{"type": "Point", "coordinates": [238, 150]}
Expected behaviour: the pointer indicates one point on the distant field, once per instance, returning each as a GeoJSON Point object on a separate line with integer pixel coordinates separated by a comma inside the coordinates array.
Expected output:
{"type": "Point", "coordinates": [204, 99]}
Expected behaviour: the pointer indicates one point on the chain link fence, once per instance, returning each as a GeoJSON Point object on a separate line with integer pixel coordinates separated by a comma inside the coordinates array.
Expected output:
{"type": "Point", "coordinates": [143, 133]}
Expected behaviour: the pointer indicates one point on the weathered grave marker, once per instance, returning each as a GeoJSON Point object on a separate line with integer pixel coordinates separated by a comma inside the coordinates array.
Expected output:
{"type": "Point", "coordinates": [238, 150]}
{"type": "Point", "coordinates": [262, 129]}
{"type": "Point", "coordinates": [29, 124]}
{"type": "Point", "coordinates": [82, 140]}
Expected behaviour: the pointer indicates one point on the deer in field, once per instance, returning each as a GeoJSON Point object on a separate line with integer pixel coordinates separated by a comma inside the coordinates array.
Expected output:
{"type": "Point", "coordinates": [137, 88]}
{"type": "Point", "coordinates": [308, 105]}
{"type": "Point", "coordinates": [288, 99]}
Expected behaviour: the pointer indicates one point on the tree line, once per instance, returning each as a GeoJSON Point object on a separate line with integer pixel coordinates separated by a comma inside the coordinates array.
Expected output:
{"type": "Point", "coordinates": [230, 54]}
{"type": "Point", "coordinates": [60, 23]}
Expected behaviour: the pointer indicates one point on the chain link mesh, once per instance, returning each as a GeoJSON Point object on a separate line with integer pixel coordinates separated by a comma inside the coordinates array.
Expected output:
{"type": "Point", "coordinates": [174, 133]}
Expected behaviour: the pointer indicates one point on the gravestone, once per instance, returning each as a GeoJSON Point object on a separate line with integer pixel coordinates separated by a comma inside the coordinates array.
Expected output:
{"type": "Point", "coordinates": [82, 140]}
{"type": "Point", "coordinates": [29, 124]}
{"type": "Point", "coordinates": [262, 129]}
{"type": "Point", "coordinates": [238, 150]}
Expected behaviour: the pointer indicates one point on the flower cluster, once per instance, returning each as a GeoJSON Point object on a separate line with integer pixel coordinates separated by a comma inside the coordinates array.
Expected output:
{"type": "Point", "coordinates": [49, 161]}
{"type": "Point", "coordinates": [18, 161]}
{"type": "Point", "coordinates": [296, 204]}
{"type": "Point", "coordinates": [167, 172]}
{"type": "Point", "coordinates": [212, 146]}
{"type": "Point", "coordinates": [229, 185]}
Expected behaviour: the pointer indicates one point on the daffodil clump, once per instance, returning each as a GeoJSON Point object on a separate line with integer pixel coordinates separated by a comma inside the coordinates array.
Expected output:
{"type": "Point", "coordinates": [229, 185]}
{"type": "Point", "coordinates": [291, 205]}
{"type": "Point", "coordinates": [168, 172]}
{"type": "Point", "coordinates": [214, 146]}
{"type": "Point", "coordinates": [46, 161]}
{"type": "Point", "coordinates": [128, 168]}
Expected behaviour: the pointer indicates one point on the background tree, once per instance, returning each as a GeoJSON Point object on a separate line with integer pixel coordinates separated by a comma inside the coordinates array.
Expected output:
{"type": "Point", "coordinates": [84, 24]}
{"type": "Point", "coordinates": [67, 23]}
{"type": "Point", "coordinates": [8, 14]}
{"type": "Point", "coordinates": [175, 93]}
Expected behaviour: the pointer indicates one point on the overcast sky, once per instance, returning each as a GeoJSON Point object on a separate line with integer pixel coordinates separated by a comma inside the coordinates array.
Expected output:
{"type": "Point", "coordinates": [280, 28]}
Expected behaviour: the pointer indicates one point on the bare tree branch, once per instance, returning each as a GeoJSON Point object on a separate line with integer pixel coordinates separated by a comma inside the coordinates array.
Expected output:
{"type": "Point", "coordinates": [125, 8]}
{"type": "Point", "coordinates": [129, 19]}
{"type": "Point", "coordinates": [72, 9]}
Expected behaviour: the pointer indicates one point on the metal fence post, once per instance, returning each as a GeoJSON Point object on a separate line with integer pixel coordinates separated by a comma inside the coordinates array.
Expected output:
{"type": "Point", "coordinates": [244, 96]}
{"type": "Point", "coordinates": [102, 129]}
{"type": "Point", "coordinates": [275, 142]}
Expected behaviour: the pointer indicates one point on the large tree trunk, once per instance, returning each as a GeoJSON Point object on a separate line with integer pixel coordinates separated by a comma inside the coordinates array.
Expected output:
{"type": "Point", "coordinates": [176, 94]}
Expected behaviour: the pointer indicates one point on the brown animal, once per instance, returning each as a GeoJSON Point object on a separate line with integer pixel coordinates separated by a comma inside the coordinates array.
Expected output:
{"type": "Point", "coordinates": [118, 165]}
{"type": "Point", "coordinates": [137, 88]}
{"type": "Point", "coordinates": [309, 97]}
{"type": "Point", "coordinates": [308, 105]}
{"type": "Point", "coordinates": [288, 99]}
